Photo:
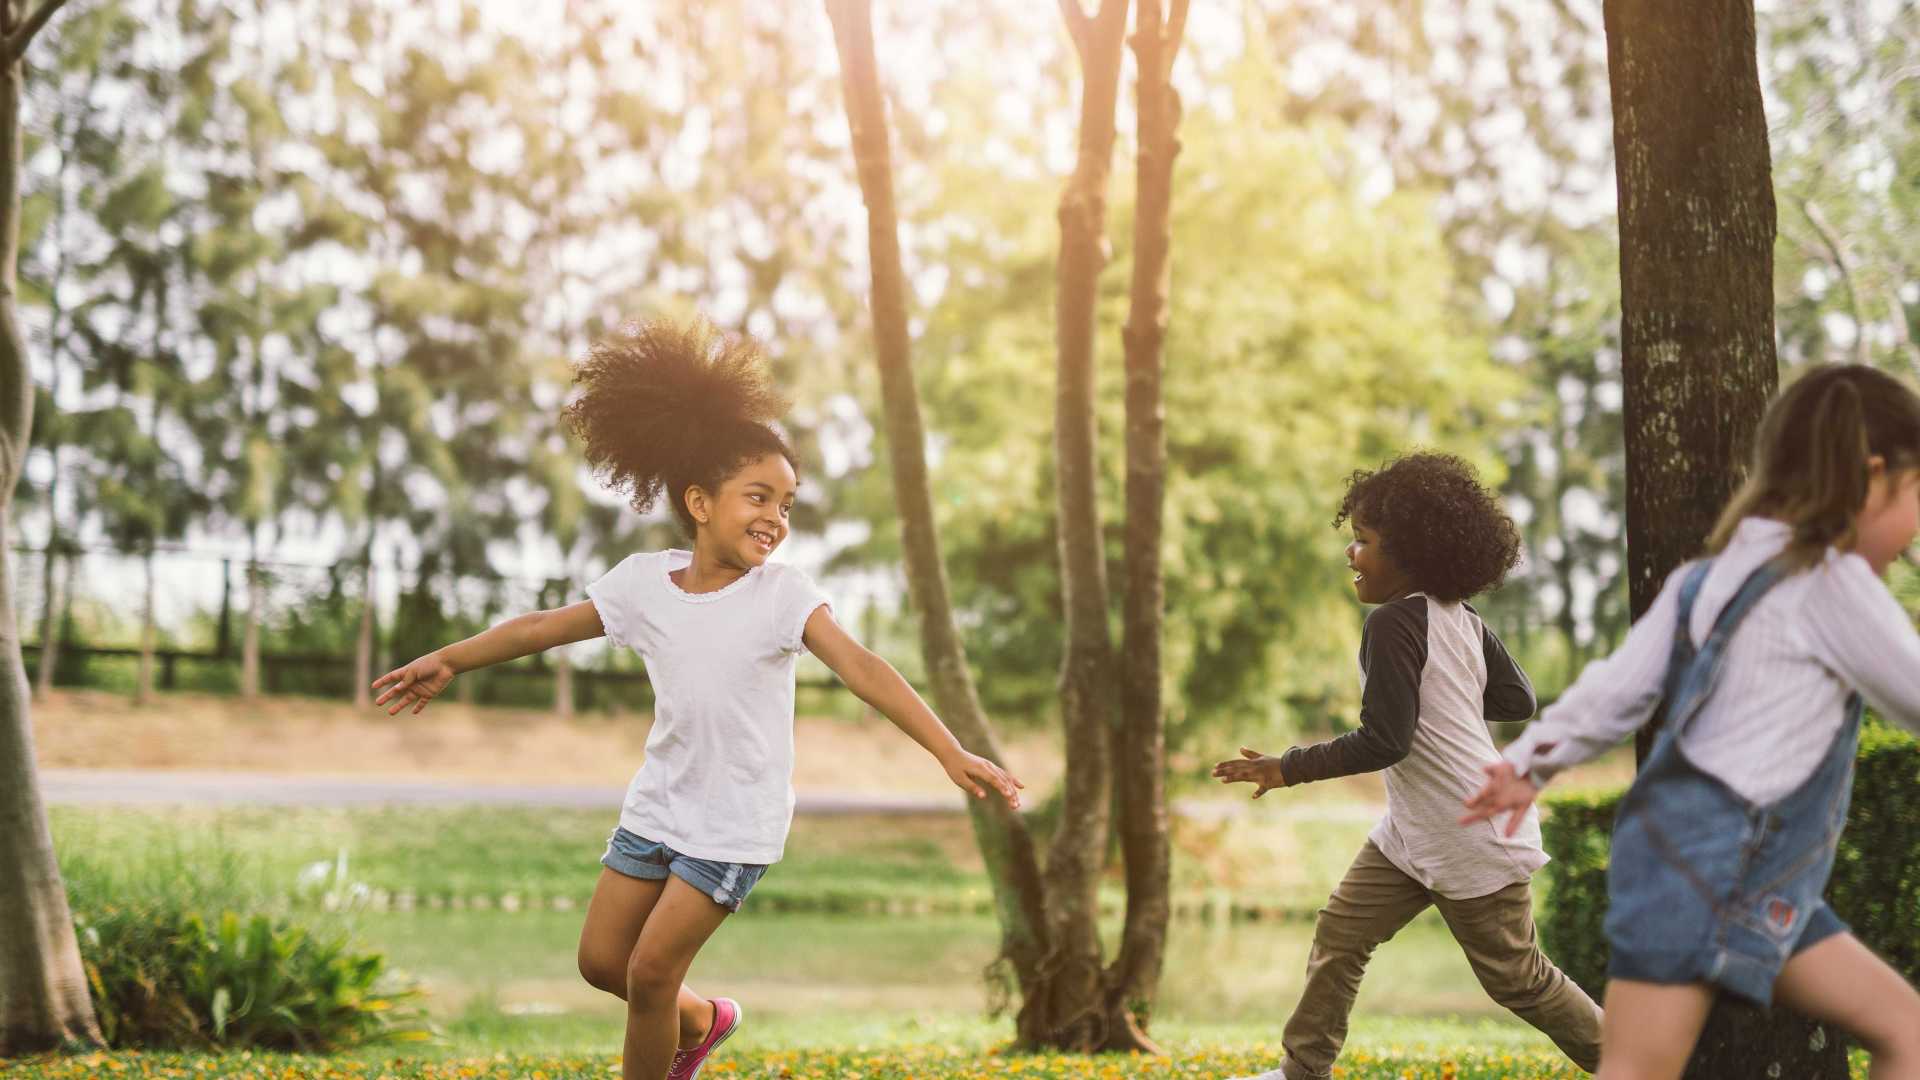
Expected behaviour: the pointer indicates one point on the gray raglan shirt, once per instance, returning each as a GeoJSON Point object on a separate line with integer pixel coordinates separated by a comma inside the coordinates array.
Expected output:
{"type": "Point", "coordinates": [1431, 675]}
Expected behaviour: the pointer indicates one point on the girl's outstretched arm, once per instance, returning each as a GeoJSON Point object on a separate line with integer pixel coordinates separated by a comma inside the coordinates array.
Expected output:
{"type": "Point", "coordinates": [875, 682]}
{"type": "Point", "coordinates": [536, 631]}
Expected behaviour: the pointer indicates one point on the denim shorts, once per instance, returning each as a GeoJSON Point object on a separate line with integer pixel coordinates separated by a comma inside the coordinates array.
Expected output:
{"type": "Point", "coordinates": [638, 857]}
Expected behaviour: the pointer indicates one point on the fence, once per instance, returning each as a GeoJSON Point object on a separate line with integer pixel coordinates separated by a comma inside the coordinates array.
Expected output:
{"type": "Point", "coordinates": [309, 625]}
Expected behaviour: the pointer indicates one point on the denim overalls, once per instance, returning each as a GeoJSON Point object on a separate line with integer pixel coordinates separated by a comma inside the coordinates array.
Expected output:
{"type": "Point", "coordinates": [1703, 885]}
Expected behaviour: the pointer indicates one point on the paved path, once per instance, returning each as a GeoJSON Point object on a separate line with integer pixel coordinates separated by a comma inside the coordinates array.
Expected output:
{"type": "Point", "coordinates": [170, 787]}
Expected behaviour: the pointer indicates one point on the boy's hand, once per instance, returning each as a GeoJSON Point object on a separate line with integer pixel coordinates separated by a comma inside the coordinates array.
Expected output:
{"type": "Point", "coordinates": [416, 684]}
{"type": "Point", "coordinates": [1505, 791]}
{"type": "Point", "coordinates": [1252, 767]}
{"type": "Point", "coordinates": [969, 771]}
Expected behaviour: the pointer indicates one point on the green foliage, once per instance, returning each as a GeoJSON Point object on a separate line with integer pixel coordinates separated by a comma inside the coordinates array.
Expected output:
{"type": "Point", "coordinates": [173, 962]}
{"type": "Point", "coordinates": [1875, 886]}
{"type": "Point", "coordinates": [1310, 334]}
{"type": "Point", "coordinates": [167, 977]}
{"type": "Point", "coordinates": [1577, 831]}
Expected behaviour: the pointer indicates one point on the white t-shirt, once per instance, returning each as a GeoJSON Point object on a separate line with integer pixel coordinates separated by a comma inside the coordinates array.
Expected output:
{"type": "Point", "coordinates": [717, 782]}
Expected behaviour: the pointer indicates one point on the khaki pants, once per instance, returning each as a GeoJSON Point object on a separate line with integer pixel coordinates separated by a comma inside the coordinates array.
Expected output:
{"type": "Point", "coordinates": [1371, 904]}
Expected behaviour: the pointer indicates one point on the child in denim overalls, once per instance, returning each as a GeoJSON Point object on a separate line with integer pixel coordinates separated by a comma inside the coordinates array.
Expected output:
{"type": "Point", "coordinates": [1759, 657]}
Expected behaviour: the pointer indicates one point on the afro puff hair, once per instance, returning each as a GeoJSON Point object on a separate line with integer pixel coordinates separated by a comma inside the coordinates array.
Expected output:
{"type": "Point", "coordinates": [1436, 522]}
{"type": "Point", "coordinates": [663, 407]}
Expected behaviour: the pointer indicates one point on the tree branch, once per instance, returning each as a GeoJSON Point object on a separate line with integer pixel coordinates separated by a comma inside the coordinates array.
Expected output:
{"type": "Point", "coordinates": [23, 35]}
{"type": "Point", "coordinates": [1839, 259]}
{"type": "Point", "coordinates": [1077, 22]}
{"type": "Point", "coordinates": [1176, 29]}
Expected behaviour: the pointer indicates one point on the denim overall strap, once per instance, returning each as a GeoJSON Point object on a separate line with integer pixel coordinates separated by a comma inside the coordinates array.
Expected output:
{"type": "Point", "coordinates": [1692, 673]}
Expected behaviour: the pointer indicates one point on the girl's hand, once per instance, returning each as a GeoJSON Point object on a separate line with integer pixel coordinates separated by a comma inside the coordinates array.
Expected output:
{"type": "Point", "coordinates": [1506, 791]}
{"type": "Point", "coordinates": [1252, 767]}
{"type": "Point", "coordinates": [416, 684]}
{"type": "Point", "coordinates": [969, 771]}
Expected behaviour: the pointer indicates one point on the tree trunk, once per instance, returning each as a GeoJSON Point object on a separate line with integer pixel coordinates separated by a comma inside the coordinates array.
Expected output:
{"type": "Point", "coordinates": [250, 634]}
{"type": "Point", "coordinates": [143, 682]}
{"type": "Point", "coordinates": [49, 605]}
{"type": "Point", "coordinates": [1074, 1012]}
{"type": "Point", "coordinates": [1697, 225]}
{"type": "Point", "coordinates": [363, 641]}
{"type": "Point", "coordinates": [1139, 760]}
{"type": "Point", "coordinates": [1005, 844]}
{"type": "Point", "coordinates": [43, 988]}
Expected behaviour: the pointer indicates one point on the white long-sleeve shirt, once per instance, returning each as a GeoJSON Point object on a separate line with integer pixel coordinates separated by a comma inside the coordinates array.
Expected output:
{"type": "Point", "coordinates": [1810, 642]}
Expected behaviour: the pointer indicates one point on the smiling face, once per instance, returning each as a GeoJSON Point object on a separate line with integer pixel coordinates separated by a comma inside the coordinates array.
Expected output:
{"type": "Point", "coordinates": [742, 523]}
{"type": "Point", "coordinates": [1376, 579]}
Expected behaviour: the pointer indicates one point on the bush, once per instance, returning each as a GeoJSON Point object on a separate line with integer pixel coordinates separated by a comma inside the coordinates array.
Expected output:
{"type": "Point", "coordinates": [1876, 874]}
{"type": "Point", "coordinates": [173, 965]}
{"type": "Point", "coordinates": [166, 977]}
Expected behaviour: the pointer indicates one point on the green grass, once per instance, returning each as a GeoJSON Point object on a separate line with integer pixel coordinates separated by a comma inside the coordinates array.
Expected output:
{"type": "Point", "coordinates": [827, 994]}
{"type": "Point", "coordinates": [841, 1047]}
{"type": "Point", "coordinates": [1283, 861]}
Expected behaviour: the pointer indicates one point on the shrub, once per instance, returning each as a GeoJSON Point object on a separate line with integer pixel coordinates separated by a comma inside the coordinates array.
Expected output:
{"type": "Point", "coordinates": [163, 976]}
{"type": "Point", "coordinates": [1876, 874]}
{"type": "Point", "coordinates": [173, 964]}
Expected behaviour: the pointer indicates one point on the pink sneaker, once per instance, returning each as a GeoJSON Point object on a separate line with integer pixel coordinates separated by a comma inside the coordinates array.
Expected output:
{"type": "Point", "coordinates": [687, 1063]}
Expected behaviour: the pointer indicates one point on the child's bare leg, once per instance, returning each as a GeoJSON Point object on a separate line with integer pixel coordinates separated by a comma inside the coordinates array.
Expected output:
{"type": "Point", "coordinates": [1842, 982]}
{"type": "Point", "coordinates": [682, 919]}
{"type": "Point", "coordinates": [1648, 1029]}
{"type": "Point", "coordinates": [619, 909]}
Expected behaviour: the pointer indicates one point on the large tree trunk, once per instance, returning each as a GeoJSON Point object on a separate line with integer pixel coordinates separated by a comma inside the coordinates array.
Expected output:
{"type": "Point", "coordinates": [1074, 1011]}
{"type": "Point", "coordinates": [1007, 847]}
{"type": "Point", "coordinates": [1140, 752]}
{"type": "Point", "coordinates": [1697, 224]}
{"type": "Point", "coordinates": [43, 988]}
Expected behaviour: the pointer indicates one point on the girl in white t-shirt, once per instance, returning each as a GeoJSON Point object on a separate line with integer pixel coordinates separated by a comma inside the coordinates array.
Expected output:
{"type": "Point", "coordinates": [685, 412]}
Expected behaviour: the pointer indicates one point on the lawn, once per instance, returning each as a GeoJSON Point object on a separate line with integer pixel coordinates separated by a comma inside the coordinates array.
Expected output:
{"type": "Point", "coordinates": [834, 985]}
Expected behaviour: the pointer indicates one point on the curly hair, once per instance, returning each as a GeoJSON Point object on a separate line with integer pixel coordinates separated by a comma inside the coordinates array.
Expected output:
{"type": "Point", "coordinates": [666, 407]}
{"type": "Point", "coordinates": [1436, 522]}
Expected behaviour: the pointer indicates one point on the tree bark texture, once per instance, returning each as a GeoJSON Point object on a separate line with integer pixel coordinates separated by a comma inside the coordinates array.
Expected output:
{"type": "Point", "coordinates": [1139, 759]}
{"type": "Point", "coordinates": [1075, 1008]}
{"type": "Point", "coordinates": [43, 988]}
{"type": "Point", "coordinates": [1697, 226]}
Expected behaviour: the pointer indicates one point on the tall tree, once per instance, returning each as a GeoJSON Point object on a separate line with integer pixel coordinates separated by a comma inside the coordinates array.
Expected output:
{"type": "Point", "coordinates": [43, 990]}
{"type": "Point", "coordinates": [1140, 751]}
{"type": "Point", "coordinates": [1697, 224]}
{"type": "Point", "coordinates": [1069, 997]}
{"type": "Point", "coordinates": [1073, 1007]}
{"type": "Point", "coordinates": [1009, 849]}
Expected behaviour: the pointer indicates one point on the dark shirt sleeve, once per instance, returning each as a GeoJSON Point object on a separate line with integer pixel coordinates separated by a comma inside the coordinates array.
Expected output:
{"type": "Point", "coordinates": [1509, 696]}
{"type": "Point", "coordinates": [1393, 650]}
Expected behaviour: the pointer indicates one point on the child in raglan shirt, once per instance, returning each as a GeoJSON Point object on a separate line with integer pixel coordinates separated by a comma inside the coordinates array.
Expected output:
{"type": "Point", "coordinates": [1426, 536]}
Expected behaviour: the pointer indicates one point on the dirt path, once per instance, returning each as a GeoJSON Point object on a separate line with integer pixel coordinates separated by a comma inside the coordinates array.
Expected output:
{"type": "Point", "coordinates": [454, 743]}
{"type": "Point", "coordinates": [156, 787]}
